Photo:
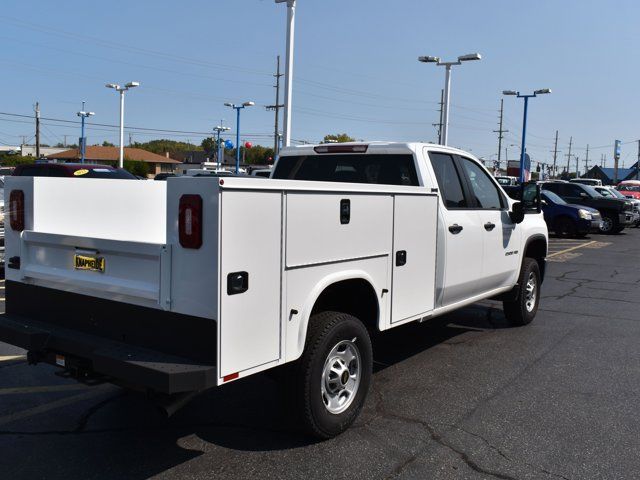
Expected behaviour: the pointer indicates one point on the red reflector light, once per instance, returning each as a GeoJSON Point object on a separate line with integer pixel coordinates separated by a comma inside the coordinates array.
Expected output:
{"type": "Point", "coordinates": [231, 376]}
{"type": "Point", "coordinates": [341, 149]}
{"type": "Point", "coordinates": [190, 221]}
{"type": "Point", "coordinates": [16, 210]}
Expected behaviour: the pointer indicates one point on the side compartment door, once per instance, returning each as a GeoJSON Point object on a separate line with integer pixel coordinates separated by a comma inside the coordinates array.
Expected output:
{"type": "Point", "coordinates": [462, 232]}
{"type": "Point", "coordinates": [250, 278]}
{"type": "Point", "coordinates": [501, 237]}
{"type": "Point", "coordinates": [414, 261]}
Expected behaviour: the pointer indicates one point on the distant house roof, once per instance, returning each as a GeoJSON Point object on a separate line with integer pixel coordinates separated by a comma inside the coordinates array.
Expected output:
{"type": "Point", "coordinates": [111, 154]}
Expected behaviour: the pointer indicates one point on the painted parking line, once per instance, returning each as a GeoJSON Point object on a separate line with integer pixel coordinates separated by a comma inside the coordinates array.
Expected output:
{"type": "Point", "coordinates": [570, 249]}
{"type": "Point", "coordinates": [42, 389]}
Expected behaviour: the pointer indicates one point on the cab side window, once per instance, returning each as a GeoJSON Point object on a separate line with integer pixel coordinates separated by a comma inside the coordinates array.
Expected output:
{"type": "Point", "coordinates": [448, 180]}
{"type": "Point", "coordinates": [485, 192]}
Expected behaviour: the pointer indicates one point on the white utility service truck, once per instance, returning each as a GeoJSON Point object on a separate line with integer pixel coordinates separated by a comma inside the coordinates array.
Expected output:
{"type": "Point", "coordinates": [174, 287]}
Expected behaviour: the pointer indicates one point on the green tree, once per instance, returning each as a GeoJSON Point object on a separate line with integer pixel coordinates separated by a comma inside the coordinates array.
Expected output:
{"type": "Point", "coordinates": [137, 168]}
{"type": "Point", "coordinates": [338, 138]}
{"type": "Point", "coordinates": [13, 160]}
{"type": "Point", "coordinates": [163, 146]}
{"type": "Point", "coordinates": [107, 144]}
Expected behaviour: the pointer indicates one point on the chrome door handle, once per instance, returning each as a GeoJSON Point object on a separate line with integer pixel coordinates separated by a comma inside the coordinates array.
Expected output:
{"type": "Point", "coordinates": [455, 228]}
{"type": "Point", "coordinates": [489, 226]}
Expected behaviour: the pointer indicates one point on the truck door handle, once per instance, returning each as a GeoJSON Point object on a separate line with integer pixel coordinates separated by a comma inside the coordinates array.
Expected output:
{"type": "Point", "coordinates": [455, 228]}
{"type": "Point", "coordinates": [489, 226]}
{"type": "Point", "coordinates": [345, 211]}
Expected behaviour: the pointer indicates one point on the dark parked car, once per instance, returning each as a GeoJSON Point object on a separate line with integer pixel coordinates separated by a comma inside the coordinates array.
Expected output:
{"type": "Point", "coordinates": [562, 218]}
{"type": "Point", "coordinates": [616, 213]}
{"type": "Point", "coordinates": [79, 170]}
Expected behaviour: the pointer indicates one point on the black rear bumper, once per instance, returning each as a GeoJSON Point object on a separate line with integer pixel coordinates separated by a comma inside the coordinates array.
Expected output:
{"type": "Point", "coordinates": [116, 361]}
{"type": "Point", "coordinates": [132, 345]}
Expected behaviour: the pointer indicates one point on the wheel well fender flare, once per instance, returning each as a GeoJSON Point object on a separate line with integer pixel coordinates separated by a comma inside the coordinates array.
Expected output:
{"type": "Point", "coordinates": [319, 289]}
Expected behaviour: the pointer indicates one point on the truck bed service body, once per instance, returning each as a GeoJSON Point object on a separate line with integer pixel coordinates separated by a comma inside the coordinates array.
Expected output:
{"type": "Point", "coordinates": [174, 287]}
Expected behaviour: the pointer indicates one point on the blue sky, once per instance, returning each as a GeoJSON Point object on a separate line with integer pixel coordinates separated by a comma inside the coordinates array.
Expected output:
{"type": "Point", "coordinates": [356, 69]}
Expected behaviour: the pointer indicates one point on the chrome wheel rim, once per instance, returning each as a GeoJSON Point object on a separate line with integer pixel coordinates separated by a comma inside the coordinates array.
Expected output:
{"type": "Point", "coordinates": [341, 376]}
{"type": "Point", "coordinates": [530, 293]}
{"type": "Point", "coordinates": [606, 224]}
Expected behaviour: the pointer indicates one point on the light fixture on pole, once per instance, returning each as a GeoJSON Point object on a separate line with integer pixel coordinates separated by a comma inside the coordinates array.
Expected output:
{"type": "Point", "coordinates": [447, 85]}
{"type": "Point", "coordinates": [219, 129]}
{"type": "Point", "coordinates": [121, 90]}
{"type": "Point", "coordinates": [237, 108]}
{"type": "Point", "coordinates": [288, 74]}
{"type": "Point", "coordinates": [542, 91]}
{"type": "Point", "coordinates": [83, 141]}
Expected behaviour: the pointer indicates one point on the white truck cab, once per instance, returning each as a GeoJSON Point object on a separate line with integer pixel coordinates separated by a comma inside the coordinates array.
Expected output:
{"type": "Point", "coordinates": [178, 286]}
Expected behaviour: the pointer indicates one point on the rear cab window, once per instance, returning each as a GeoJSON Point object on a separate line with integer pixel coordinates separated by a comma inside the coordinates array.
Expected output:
{"type": "Point", "coordinates": [386, 169]}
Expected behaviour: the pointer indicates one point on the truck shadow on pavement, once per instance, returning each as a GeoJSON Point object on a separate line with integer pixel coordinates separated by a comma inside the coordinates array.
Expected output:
{"type": "Point", "coordinates": [246, 416]}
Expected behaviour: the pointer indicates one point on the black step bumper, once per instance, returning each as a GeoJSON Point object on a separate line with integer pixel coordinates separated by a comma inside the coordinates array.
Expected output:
{"type": "Point", "coordinates": [119, 362]}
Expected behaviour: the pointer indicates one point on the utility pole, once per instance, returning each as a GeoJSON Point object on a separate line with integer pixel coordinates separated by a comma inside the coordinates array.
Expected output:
{"type": "Point", "coordinates": [586, 161]}
{"type": "Point", "coordinates": [555, 155]}
{"type": "Point", "coordinates": [65, 141]}
{"type": "Point", "coordinates": [577, 166]}
{"type": "Point", "coordinates": [638, 164]}
{"type": "Point", "coordinates": [500, 131]}
{"type": "Point", "coordinates": [24, 139]}
{"type": "Point", "coordinates": [130, 136]}
{"type": "Point", "coordinates": [439, 124]}
{"type": "Point", "coordinates": [37, 130]}
{"type": "Point", "coordinates": [569, 155]}
{"type": "Point", "coordinates": [276, 108]}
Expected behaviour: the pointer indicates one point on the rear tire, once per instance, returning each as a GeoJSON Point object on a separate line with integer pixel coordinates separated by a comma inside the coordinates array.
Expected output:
{"type": "Point", "coordinates": [523, 309]}
{"type": "Point", "coordinates": [333, 375]}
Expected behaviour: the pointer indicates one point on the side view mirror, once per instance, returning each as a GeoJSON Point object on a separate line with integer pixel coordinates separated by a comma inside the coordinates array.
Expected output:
{"type": "Point", "coordinates": [583, 195]}
{"type": "Point", "coordinates": [517, 212]}
{"type": "Point", "coordinates": [530, 196]}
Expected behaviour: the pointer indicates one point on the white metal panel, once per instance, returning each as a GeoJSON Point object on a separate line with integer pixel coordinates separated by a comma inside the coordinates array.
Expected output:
{"type": "Point", "coordinates": [125, 210]}
{"type": "Point", "coordinates": [315, 234]}
{"type": "Point", "coordinates": [304, 285]}
{"type": "Point", "coordinates": [415, 225]}
{"type": "Point", "coordinates": [194, 272]}
{"type": "Point", "coordinates": [249, 323]}
{"type": "Point", "coordinates": [132, 269]}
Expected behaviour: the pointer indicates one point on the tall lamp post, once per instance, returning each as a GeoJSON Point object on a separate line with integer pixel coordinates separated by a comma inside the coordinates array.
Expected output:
{"type": "Point", "coordinates": [82, 114]}
{"type": "Point", "coordinates": [219, 129]}
{"type": "Point", "coordinates": [447, 86]}
{"type": "Point", "coordinates": [121, 90]}
{"type": "Point", "coordinates": [542, 91]}
{"type": "Point", "coordinates": [237, 108]}
{"type": "Point", "coordinates": [288, 74]}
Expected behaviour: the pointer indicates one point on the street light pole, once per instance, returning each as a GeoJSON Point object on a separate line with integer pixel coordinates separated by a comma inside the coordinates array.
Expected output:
{"type": "Point", "coordinates": [288, 75]}
{"type": "Point", "coordinates": [83, 114]}
{"type": "Point", "coordinates": [447, 86]}
{"type": "Point", "coordinates": [237, 108]}
{"type": "Point", "coordinates": [220, 129]}
{"type": "Point", "coordinates": [121, 90]}
{"type": "Point", "coordinates": [523, 147]}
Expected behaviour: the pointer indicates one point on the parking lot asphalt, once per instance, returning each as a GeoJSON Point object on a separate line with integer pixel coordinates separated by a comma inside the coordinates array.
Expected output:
{"type": "Point", "coordinates": [463, 396]}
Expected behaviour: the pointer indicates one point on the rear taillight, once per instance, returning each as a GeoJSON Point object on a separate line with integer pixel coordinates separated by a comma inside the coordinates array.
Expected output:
{"type": "Point", "coordinates": [16, 210]}
{"type": "Point", "coordinates": [190, 221]}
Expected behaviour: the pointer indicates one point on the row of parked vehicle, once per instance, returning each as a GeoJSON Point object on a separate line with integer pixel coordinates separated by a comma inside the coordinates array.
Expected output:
{"type": "Point", "coordinates": [575, 209]}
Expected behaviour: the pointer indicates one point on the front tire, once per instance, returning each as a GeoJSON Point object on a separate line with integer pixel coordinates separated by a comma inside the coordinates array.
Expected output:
{"type": "Point", "coordinates": [523, 309]}
{"type": "Point", "coordinates": [333, 374]}
{"type": "Point", "coordinates": [610, 224]}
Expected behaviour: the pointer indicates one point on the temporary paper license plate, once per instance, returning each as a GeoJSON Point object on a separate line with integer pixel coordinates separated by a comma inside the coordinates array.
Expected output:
{"type": "Point", "coordinates": [83, 262]}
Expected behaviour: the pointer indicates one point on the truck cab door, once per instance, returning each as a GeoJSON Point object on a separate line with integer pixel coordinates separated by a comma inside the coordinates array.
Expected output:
{"type": "Point", "coordinates": [461, 248]}
{"type": "Point", "coordinates": [501, 237]}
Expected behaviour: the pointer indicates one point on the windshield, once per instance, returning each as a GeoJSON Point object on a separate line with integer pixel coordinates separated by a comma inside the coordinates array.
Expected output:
{"type": "Point", "coordinates": [592, 191]}
{"type": "Point", "coordinates": [550, 196]}
{"type": "Point", "coordinates": [382, 169]}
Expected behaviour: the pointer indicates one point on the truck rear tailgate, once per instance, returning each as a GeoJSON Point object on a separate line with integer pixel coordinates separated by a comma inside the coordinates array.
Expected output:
{"type": "Point", "coordinates": [115, 269]}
